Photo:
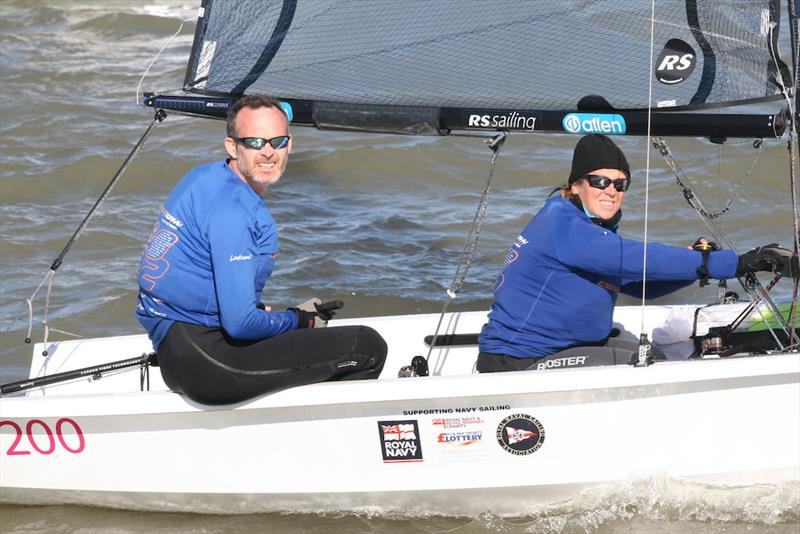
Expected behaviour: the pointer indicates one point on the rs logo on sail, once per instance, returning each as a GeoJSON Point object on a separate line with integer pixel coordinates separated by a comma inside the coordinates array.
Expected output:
{"type": "Point", "coordinates": [675, 63]}
{"type": "Point", "coordinates": [589, 123]}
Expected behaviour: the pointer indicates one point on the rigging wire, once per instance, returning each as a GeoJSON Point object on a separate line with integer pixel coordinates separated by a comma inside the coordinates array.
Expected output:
{"type": "Point", "coordinates": [158, 54]}
{"type": "Point", "coordinates": [645, 349]}
{"type": "Point", "coordinates": [467, 254]}
{"type": "Point", "coordinates": [793, 136]}
{"type": "Point", "coordinates": [750, 284]}
{"type": "Point", "coordinates": [792, 141]}
{"type": "Point", "coordinates": [693, 199]}
{"type": "Point", "coordinates": [48, 278]}
{"type": "Point", "coordinates": [793, 21]}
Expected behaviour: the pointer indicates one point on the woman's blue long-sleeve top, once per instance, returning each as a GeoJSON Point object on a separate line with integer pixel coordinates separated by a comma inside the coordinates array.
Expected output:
{"type": "Point", "coordinates": [210, 254]}
{"type": "Point", "coordinates": [561, 278]}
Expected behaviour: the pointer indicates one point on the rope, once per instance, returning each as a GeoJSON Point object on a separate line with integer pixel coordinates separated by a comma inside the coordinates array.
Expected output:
{"type": "Point", "coordinates": [695, 201]}
{"type": "Point", "coordinates": [795, 226]}
{"type": "Point", "coordinates": [158, 54]}
{"type": "Point", "coordinates": [46, 310]}
{"type": "Point", "coordinates": [750, 284]}
{"type": "Point", "coordinates": [793, 134]}
{"type": "Point", "coordinates": [465, 261]}
{"type": "Point", "coordinates": [48, 278]}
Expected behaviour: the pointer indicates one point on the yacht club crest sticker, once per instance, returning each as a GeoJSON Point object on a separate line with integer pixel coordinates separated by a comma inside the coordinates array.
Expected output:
{"type": "Point", "coordinates": [520, 434]}
{"type": "Point", "coordinates": [400, 441]}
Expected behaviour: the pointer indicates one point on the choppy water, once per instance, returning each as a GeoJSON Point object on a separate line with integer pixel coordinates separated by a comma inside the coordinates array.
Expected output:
{"type": "Point", "coordinates": [378, 221]}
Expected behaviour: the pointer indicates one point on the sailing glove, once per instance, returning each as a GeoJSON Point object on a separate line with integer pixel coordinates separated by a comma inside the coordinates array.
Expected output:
{"type": "Point", "coordinates": [307, 316]}
{"type": "Point", "coordinates": [769, 258]}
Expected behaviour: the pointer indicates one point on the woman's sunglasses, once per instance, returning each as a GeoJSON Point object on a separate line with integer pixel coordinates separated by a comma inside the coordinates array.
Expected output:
{"type": "Point", "coordinates": [257, 143]}
{"type": "Point", "coordinates": [601, 182]}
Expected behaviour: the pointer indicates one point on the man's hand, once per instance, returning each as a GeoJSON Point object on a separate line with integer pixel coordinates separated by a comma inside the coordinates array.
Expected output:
{"type": "Point", "coordinates": [310, 305]}
{"type": "Point", "coordinates": [327, 310]}
{"type": "Point", "coordinates": [314, 313]}
{"type": "Point", "coordinates": [307, 315]}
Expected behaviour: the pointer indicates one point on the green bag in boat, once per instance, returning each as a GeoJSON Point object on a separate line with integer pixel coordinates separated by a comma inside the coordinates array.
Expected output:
{"type": "Point", "coordinates": [767, 317]}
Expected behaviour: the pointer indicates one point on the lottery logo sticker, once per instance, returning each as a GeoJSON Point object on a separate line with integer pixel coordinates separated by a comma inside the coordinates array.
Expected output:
{"type": "Point", "coordinates": [520, 434]}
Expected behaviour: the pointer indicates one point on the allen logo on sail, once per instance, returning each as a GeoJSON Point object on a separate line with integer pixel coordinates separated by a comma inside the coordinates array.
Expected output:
{"type": "Point", "coordinates": [599, 123]}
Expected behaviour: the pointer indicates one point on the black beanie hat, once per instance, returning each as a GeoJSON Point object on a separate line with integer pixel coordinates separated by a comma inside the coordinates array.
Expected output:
{"type": "Point", "coordinates": [594, 152]}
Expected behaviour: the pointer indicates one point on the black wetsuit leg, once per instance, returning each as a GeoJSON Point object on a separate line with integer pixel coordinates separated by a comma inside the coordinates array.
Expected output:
{"type": "Point", "coordinates": [211, 368]}
{"type": "Point", "coordinates": [496, 363]}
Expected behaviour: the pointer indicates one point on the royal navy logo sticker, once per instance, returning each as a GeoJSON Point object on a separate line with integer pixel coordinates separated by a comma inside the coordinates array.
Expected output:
{"type": "Point", "coordinates": [520, 434]}
{"type": "Point", "coordinates": [400, 441]}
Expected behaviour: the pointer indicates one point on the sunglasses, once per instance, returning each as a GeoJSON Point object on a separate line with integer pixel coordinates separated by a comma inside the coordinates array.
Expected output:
{"type": "Point", "coordinates": [601, 182]}
{"type": "Point", "coordinates": [257, 143]}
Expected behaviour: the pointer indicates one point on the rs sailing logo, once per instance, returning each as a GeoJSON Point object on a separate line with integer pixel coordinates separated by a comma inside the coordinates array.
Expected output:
{"type": "Point", "coordinates": [599, 123]}
{"type": "Point", "coordinates": [675, 62]}
{"type": "Point", "coordinates": [508, 121]}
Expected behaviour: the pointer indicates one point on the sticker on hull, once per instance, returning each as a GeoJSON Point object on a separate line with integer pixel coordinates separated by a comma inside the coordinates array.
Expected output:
{"type": "Point", "coordinates": [520, 434]}
{"type": "Point", "coordinates": [400, 441]}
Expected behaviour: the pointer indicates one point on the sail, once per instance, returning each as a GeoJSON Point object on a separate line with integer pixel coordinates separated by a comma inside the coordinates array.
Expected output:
{"type": "Point", "coordinates": [475, 64]}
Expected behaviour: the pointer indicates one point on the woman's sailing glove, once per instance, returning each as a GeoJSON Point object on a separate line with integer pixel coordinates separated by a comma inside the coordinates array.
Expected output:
{"type": "Point", "coordinates": [314, 313]}
{"type": "Point", "coordinates": [769, 258]}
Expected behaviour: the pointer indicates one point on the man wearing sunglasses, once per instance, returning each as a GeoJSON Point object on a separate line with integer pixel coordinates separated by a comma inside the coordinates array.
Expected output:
{"type": "Point", "coordinates": [555, 296]}
{"type": "Point", "coordinates": [203, 270]}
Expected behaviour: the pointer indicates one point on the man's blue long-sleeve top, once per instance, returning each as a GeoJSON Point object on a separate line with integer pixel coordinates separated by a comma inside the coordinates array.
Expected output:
{"type": "Point", "coordinates": [211, 252]}
{"type": "Point", "coordinates": [562, 275]}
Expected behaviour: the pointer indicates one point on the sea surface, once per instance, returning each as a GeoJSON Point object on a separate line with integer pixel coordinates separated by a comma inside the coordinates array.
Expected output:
{"type": "Point", "coordinates": [378, 221]}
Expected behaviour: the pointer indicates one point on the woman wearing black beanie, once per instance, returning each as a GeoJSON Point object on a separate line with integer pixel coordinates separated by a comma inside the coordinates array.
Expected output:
{"type": "Point", "coordinates": [556, 293]}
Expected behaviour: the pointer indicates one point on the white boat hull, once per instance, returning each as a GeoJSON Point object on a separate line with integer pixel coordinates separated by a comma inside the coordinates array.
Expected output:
{"type": "Point", "coordinates": [334, 446]}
